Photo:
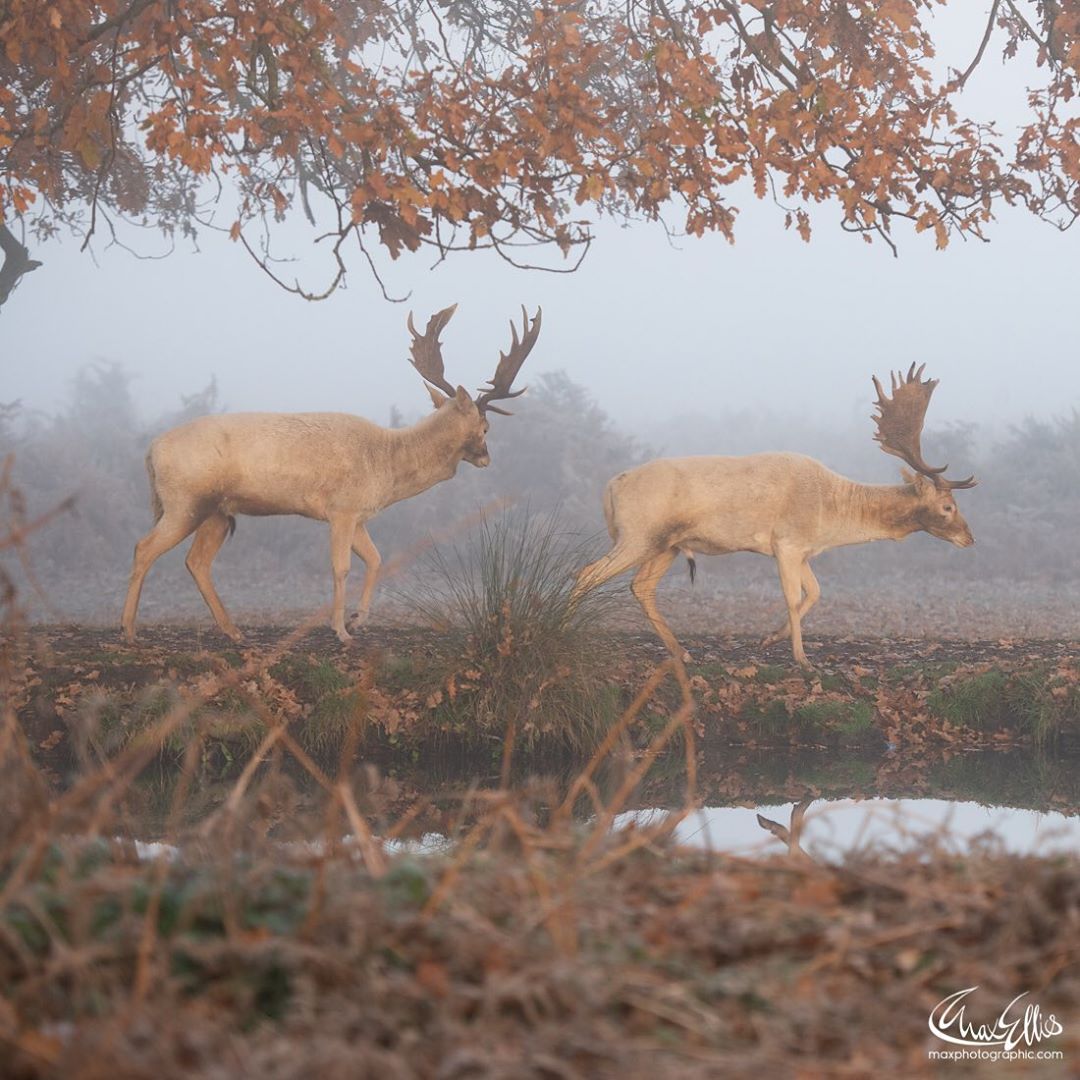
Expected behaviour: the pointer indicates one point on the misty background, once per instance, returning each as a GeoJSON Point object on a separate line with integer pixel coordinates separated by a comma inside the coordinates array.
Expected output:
{"type": "Point", "coordinates": [657, 345]}
{"type": "Point", "coordinates": [746, 374]}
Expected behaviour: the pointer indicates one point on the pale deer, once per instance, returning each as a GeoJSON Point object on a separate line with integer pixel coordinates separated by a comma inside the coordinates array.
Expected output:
{"type": "Point", "coordinates": [333, 467]}
{"type": "Point", "coordinates": [784, 505]}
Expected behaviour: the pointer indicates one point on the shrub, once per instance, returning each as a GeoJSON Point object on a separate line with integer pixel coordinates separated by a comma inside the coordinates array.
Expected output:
{"type": "Point", "coordinates": [525, 659]}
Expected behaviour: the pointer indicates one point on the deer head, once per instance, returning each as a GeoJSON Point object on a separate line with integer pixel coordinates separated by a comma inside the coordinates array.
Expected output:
{"type": "Point", "coordinates": [427, 359]}
{"type": "Point", "coordinates": [899, 421]}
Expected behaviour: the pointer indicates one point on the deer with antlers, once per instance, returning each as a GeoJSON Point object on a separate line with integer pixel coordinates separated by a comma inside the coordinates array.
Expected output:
{"type": "Point", "coordinates": [784, 505]}
{"type": "Point", "coordinates": [333, 467]}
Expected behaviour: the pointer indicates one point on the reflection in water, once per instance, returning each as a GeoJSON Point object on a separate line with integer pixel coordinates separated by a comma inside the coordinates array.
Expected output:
{"type": "Point", "coordinates": [790, 834]}
{"type": "Point", "coordinates": [825, 829]}
{"type": "Point", "coordinates": [832, 827]}
{"type": "Point", "coordinates": [815, 829]}
{"type": "Point", "coordinates": [1030, 801]}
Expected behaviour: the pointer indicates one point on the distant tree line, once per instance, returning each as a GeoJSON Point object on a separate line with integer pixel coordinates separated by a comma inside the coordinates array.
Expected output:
{"type": "Point", "coordinates": [556, 454]}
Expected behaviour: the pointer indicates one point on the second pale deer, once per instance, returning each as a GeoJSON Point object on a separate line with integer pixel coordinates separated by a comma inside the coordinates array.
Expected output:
{"type": "Point", "coordinates": [334, 467]}
{"type": "Point", "coordinates": [783, 505]}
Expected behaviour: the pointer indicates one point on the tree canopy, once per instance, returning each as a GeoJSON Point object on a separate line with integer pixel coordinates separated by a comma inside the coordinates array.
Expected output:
{"type": "Point", "coordinates": [464, 124]}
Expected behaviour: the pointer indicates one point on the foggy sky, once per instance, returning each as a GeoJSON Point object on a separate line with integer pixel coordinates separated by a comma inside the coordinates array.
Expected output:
{"type": "Point", "coordinates": [651, 330]}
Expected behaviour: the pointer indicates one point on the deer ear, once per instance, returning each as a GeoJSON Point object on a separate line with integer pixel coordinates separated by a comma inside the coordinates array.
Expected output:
{"type": "Point", "coordinates": [463, 399]}
{"type": "Point", "coordinates": [437, 399]}
{"type": "Point", "coordinates": [920, 482]}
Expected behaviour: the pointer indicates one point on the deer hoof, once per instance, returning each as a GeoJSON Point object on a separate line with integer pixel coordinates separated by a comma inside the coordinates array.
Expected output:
{"type": "Point", "coordinates": [233, 635]}
{"type": "Point", "coordinates": [344, 636]}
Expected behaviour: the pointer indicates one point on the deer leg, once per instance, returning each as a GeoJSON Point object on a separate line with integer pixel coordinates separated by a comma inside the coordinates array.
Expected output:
{"type": "Point", "coordinates": [341, 538]}
{"type": "Point", "coordinates": [365, 549]}
{"type": "Point", "coordinates": [811, 594]}
{"type": "Point", "coordinates": [790, 565]}
{"type": "Point", "coordinates": [644, 590]}
{"type": "Point", "coordinates": [209, 537]}
{"type": "Point", "coordinates": [617, 561]}
{"type": "Point", "coordinates": [164, 536]}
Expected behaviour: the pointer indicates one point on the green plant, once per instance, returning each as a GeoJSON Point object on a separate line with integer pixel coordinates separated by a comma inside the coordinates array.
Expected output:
{"type": "Point", "coordinates": [769, 720]}
{"type": "Point", "coordinates": [1030, 700]}
{"type": "Point", "coordinates": [314, 678]}
{"type": "Point", "coordinates": [335, 701]}
{"type": "Point", "coordinates": [849, 717]}
{"type": "Point", "coordinates": [524, 657]}
{"type": "Point", "coordinates": [980, 701]}
{"type": "Point", "coordinates": [770, 674]}
{"type": "Point", "coordinates": [1033, 702]}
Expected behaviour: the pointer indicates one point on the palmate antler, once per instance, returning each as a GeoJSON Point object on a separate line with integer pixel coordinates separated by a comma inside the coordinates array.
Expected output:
{"type": "Point", "coordinates": [427, 350]}
{"type": "Point", "coordinates": [900, 420]}
{"type": "Point", "coordinates": [427, 358]}
{"type": "Point", "coordinates": [510, 364]}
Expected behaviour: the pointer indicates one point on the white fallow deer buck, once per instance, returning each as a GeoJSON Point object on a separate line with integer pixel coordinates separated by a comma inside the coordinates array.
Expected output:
{"type": "Point", "coordinates": [333, 467]}
{"type": "Point", "coordinates": [784, 505]}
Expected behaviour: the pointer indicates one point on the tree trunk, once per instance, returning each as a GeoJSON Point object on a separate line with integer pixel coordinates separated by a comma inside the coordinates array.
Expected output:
{"type": "Point", "coordinates": [16, 262]}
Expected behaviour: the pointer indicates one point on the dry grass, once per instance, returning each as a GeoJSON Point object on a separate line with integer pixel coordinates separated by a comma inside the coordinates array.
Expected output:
{"type": "Point", "coordinates": [520, 664]}
{"type": "Point", "coordinates": [286, 936]}
{"type": "Point", "coordinates": [524, 950]}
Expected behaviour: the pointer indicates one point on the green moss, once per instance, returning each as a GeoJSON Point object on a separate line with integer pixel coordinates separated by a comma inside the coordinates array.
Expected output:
{"type": "Point", "coordinates": [1031, 702]}
{"type": "Point", "coordinates": [407, 884]}
{"type": "Point", "coordinates": [821, 714]}
{"type": "Point", "coordinates": [572, 717]}
{"type": "Point", "coordinates": [311, 677]}
{"type": "Point", "coordinates": [980, 701]}
{"type": "Point", "coordinates": [932, 670]}
{"type": "Point", "coordinates": [771, 673]}
{"type": "Point", "coordinates": [713, 670]}
{"type": "Point", "coordinates": [187, 664]}
{"type": "Point", "coordinates": [398, 672]}
{"type": "Point", "coordinates": [860, 719]}
{"type": "Point", "coordinates": [849, 717]}
{"type": "Point", "coordinates": [769, 720]}
{"type": "Point", "coordinates": [1038, 710]}
{"type": "Point", "coordinates": [154, 705]}
{"type": "Point", "coordinates": [333, 716]}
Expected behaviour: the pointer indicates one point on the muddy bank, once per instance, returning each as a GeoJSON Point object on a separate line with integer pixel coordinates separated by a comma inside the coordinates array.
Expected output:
{"type": "Point", "coordinates": [405, 694]}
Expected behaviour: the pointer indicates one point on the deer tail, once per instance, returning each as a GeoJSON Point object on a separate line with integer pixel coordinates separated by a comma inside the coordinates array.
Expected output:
{"type": "Point", "coordinates": [155, 499]}
{"type": "Point", "coordinates": [691, 562]}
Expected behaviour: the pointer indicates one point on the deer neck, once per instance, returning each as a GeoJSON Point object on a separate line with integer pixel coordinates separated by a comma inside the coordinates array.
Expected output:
{"type": "Point", "coordinates": [423, 455]}
{"type": "Point", "coordinates": [880, 512]}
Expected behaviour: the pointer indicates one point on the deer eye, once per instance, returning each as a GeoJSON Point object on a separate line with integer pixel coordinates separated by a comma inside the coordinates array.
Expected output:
{"type": "Point", "coordinates": [949, 508]}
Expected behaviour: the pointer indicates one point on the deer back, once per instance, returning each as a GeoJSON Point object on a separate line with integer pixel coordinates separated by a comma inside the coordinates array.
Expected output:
{"type": "Point", "coordinates": [274, 463]}
{"type": "Point", "coordinates": [726, 503]}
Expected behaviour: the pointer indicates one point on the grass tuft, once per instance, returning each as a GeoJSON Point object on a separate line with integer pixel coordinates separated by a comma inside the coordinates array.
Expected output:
{"type": "Point", "coordinates": [524, 658]}
{"type": "Point", "coordinates": [850, 718]}
{"type": "Point", "coordinates": [992, 700]}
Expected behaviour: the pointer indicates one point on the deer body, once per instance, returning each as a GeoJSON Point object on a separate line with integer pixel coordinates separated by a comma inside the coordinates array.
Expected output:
{"type": "Point", "coordinates": [783, 505]}
{"type": "Point", "coordinates": [759, 503]}
{"type": "Point", "coordinates": [332, 467]}
{"type": "Point", "coordinates": [261, 463]}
